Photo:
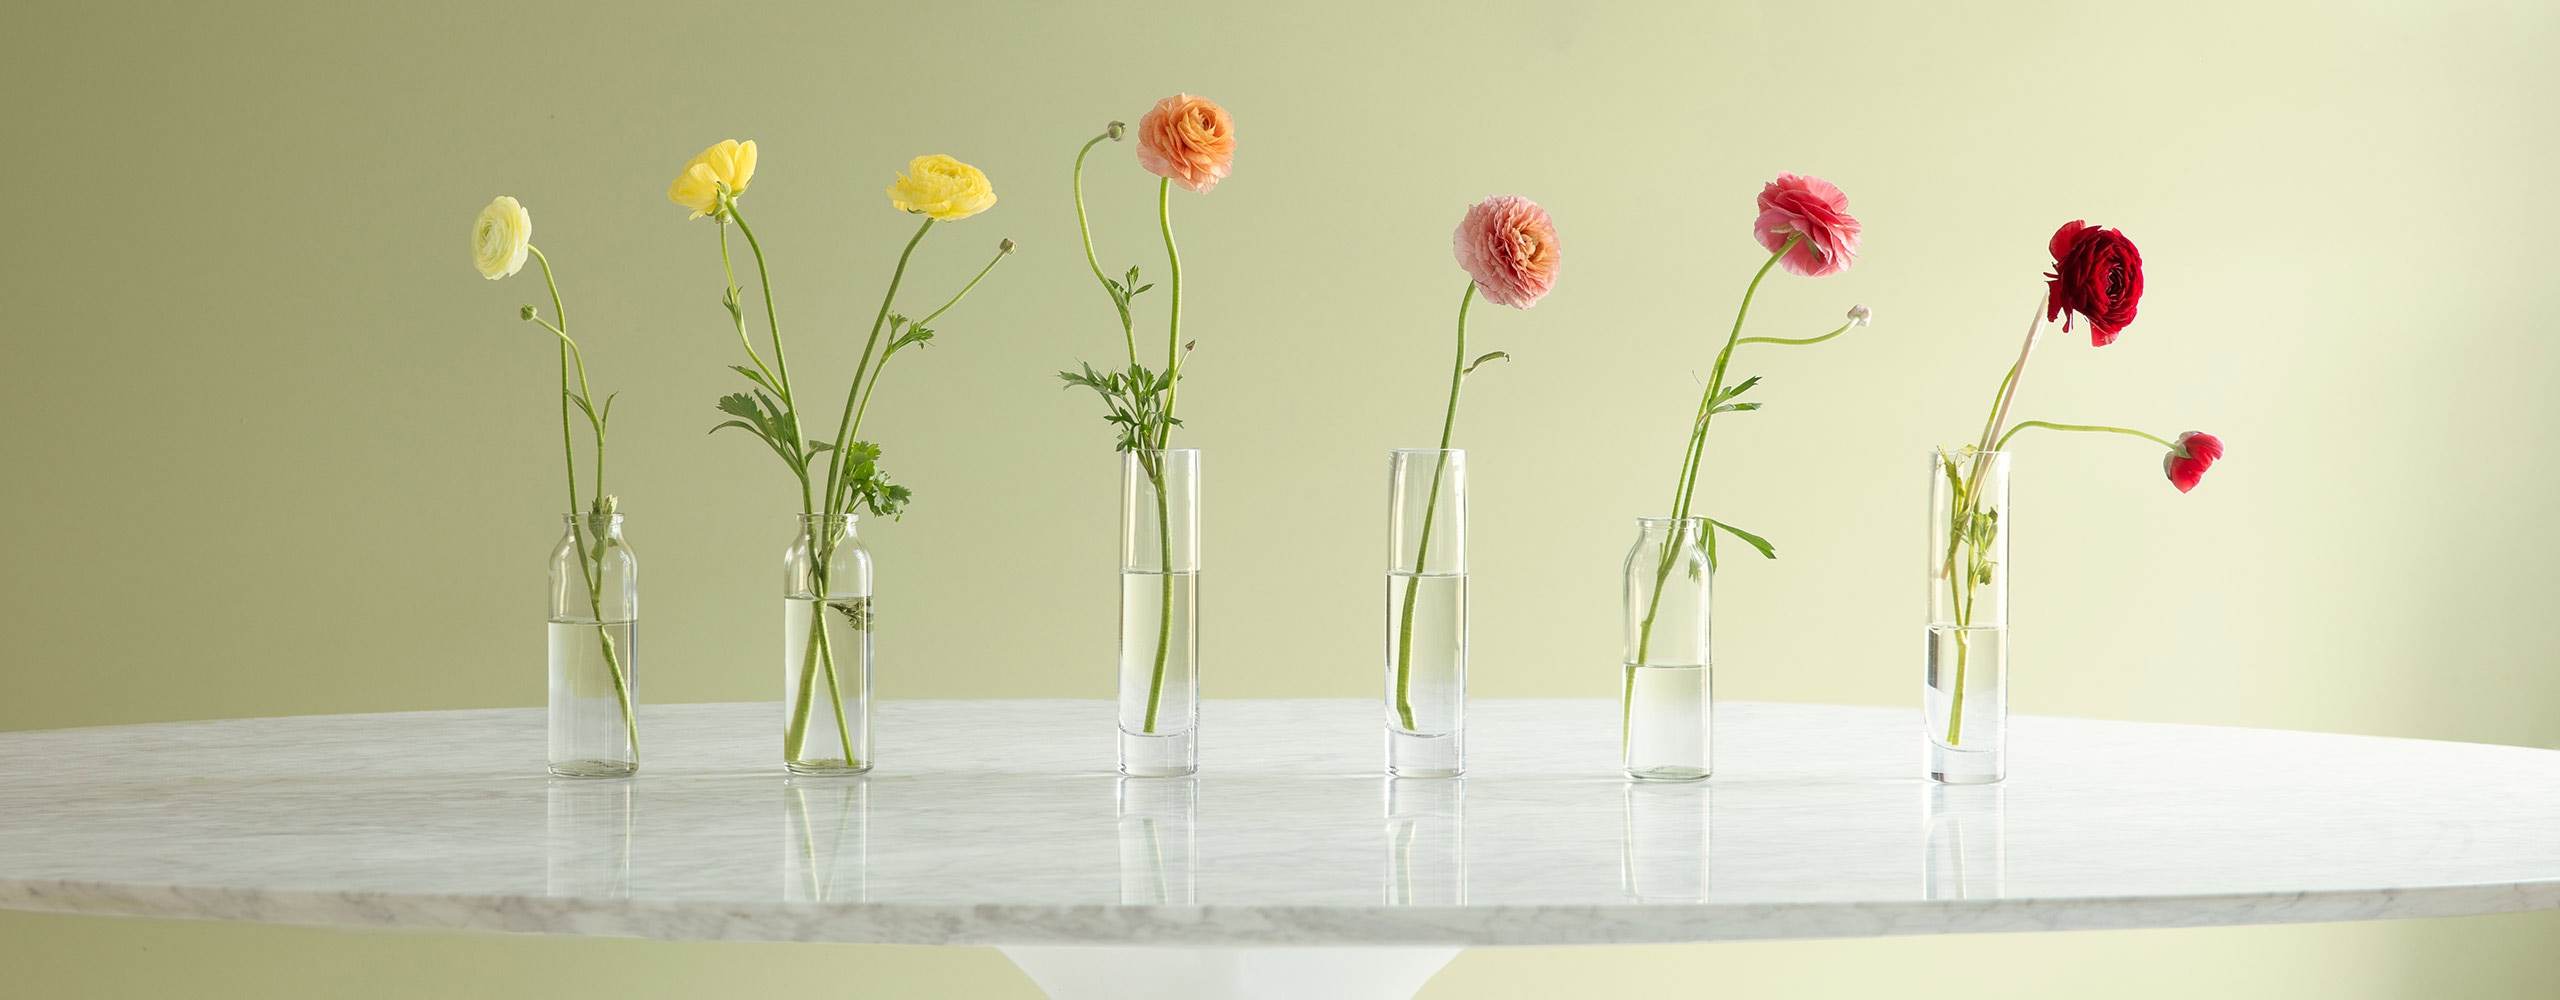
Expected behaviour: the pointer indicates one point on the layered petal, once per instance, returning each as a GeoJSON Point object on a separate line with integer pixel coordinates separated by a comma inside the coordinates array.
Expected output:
{"type": "Point", "coordinates": [1799, 205]}
{"type": "Point", "coordinates": [1508, 245]}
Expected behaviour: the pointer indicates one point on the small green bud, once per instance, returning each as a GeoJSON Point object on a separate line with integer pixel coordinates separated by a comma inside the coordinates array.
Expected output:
{"type": "Point", "coordinates": [1116, 130]}
{"type": "Point", "coordinates": [525, 313]}
{"type": "Point", "coordinates": [1006, 246]}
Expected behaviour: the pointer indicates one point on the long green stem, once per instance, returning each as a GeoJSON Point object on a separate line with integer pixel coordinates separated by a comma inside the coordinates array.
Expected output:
{"type": "Point", "coordinates": [1164, 610]}
{"type": "Point", "coordinates": [1173, 324]}
{"type": "Point", "coordinates": [1968, 496]}
{"type": "Point", "coordinates": [1430, 510]}
{"type": "Point", "coordinates": [1796, 342]}
{"type": "Point", "coordinates": [590, 561]}
{"type": "Point", "coordinates": [1084, 228]}
{"type": "Point", "coordinates": [1695, 454]}
{"type": "Point", "coordinates": [927, 322]}
{"type": "Point", "coordinates": [2094, 428]}
{"type": "Point", "coordinates": [781, 365]}
{"type": "Point", "coordinates": [852, 396]}
{"type": "Point", "coordinates": [738, 315]}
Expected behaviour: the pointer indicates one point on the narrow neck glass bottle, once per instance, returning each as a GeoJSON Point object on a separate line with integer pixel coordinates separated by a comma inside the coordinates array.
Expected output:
{"type": "Point", "coordinates": [595, 621]}
{"type": "Point", "coordinates": [826, 648]}
{"type": "Point", "coordinates": [1666, 722]}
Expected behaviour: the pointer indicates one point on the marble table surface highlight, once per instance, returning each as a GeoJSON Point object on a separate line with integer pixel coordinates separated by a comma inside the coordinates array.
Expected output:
{"type": "Point", "coordinates": [1001, 822]}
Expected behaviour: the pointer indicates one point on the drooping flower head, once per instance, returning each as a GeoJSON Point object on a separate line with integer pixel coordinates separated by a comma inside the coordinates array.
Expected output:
{"type": "Point", "coordinates": [2197, 451]}
{"type": "Point", "coordinates": [2096, 273]}
{"type": "Point", "coordinates": [942, 189]}
{"type": "Point", "coordinates": [730, 164]}
{"type": "Point", "coordinates": [1509, 246]}
{"type": "Point", "coordinates": [1796, 204]}
{"type": "Point", "coordinates": [1189, 140]}
{"type": "Point", "coordinates": [500, 238]}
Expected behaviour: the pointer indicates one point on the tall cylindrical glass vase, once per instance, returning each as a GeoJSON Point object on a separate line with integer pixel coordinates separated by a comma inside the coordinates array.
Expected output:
{"type": "Point", "coordinates": [1965, 682]}
{"type": "Point", "coordinates": [595, 619]}
{"type": "Point", "coordinates": [1666, 723]}
{"type": "Point", "coordinates": [826, 648]}
{"type": "Point", "coordinates": [1426, 658]}
{"type": "Point", "coordinates": [1160, 612]}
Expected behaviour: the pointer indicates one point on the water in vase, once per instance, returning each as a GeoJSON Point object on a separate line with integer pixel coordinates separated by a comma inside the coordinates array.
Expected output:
{"type": "Point", "coordinates": [826, 675]}
{"type": "Point", "coordinates": [1426, 698]}
{"type": "Point", "coordinates": [1159, 672]}
{"type": "Point", "coordinates": [589, 738]}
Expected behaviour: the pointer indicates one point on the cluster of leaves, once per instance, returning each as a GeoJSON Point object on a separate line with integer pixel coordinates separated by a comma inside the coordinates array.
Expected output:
{"type": "Point", "coordinates": [864, 487]}
{"type": "Point", "coordinates": [1135, 399]}
{"type": "Point", "coordinates": [1973, 528]}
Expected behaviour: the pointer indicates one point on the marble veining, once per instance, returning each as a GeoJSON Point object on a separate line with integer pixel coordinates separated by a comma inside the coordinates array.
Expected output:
{"type": "Point", "coordinates": [1001, 822]}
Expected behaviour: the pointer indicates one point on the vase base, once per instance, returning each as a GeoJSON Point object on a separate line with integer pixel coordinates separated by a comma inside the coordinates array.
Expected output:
{"type": "Point", "coordinates": [1414, 755]}
{"type": "Point", "coordinates": [1164, 755]}
{"type": "Point", "coordinates": [1966, 767]}
{"type": "Point", "coordinates": [825, 767]}
{"type": "Point", "coordinates": [594, 768]}
{"type": "Point", "coordinates": [1669, 774]}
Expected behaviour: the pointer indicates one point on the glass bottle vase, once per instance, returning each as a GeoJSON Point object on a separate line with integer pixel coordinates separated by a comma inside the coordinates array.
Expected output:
{"type": "Point", "coordinates": [826, 648]}
{"type": "Point", "coordinates": [1160, 612]}
{"type": "Point", "coordinates": [1666, 722]}
{"type": "Point", "coordinates": [595, 619]}
{"type": "Point", "coordinates": [1965, 684]}
{"type": "Point", "coordinates": [1426, 655]}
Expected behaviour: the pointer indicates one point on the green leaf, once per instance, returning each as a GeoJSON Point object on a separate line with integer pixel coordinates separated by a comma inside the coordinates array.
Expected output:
{"type": "Point", "coordinates": [1735, 408]}
{"type": "Point", "coordinates": [754, 376]}
{"type": "Point", "coordinates": [1767, 551]}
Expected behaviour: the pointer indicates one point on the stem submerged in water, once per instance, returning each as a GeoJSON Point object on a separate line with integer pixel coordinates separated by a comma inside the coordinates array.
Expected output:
{"type": "Point", "coordinates": [1430, 511]}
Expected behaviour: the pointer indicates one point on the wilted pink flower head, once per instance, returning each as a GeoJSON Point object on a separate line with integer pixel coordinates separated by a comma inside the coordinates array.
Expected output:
{"type": "Point", "coordinates": [1188, 140]}
{"type": "Point", "coordinates": [1795, 204]}
{"type": "Point", "coordinates": [1509, 245]}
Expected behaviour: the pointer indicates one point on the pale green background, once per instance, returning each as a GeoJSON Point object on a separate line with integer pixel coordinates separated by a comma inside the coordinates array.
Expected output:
{"type": "Point", "coordinates": [268, 446]}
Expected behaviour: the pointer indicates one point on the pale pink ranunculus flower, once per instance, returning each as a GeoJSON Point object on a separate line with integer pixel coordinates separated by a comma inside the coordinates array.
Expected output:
{"type": "Point", "coordinates": [1509, 246]}
{"type": "Point", "coordinates": [1796, 203]}
{"type": "Point", "coordinates": [1188, 140]}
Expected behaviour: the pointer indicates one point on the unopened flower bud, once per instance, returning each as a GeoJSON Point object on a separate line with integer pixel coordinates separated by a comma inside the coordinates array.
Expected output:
{"type": "Point", "coordinates": [1006, 246]}
{"type": "Point", "coordinates": [1188, 348]}
{"type": "Point", "coordinates": [525, 313]}
{"type": "Point", "coordinates": [1115, 130]}
{"type": "Point", "coordinates": [1858, 315]}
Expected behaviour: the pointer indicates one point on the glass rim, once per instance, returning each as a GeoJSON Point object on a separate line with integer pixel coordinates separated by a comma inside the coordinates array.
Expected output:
{"type": "Point", "coordinates": [1645, 519]}
{"type": "Point", "coordinates": [1426, 451]}
{"type": "Point", "coordinates": [616, 515]}
{"type": "Point", "coordinates": [1944, 450]}
{"type": "Point", "coordinates": [846, 515]}
{"type": "Point", "coordinates": [1161, 451]}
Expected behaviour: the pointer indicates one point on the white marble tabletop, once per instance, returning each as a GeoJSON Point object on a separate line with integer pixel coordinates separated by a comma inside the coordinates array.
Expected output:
{"type": "Point", "coordinates": [1001, 822]}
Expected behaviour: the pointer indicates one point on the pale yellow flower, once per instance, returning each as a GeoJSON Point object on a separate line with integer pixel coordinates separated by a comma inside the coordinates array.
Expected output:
{"type": "Point", "coordinates": [500, 238]}
{"type": "Point", "coordinates": [942, 188]}
{"type": "Point", "coordinates": [697, 187]}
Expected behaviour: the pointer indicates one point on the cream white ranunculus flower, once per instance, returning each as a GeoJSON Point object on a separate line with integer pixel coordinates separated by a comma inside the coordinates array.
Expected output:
{"type": "Point", "coordinates": [501, 237]}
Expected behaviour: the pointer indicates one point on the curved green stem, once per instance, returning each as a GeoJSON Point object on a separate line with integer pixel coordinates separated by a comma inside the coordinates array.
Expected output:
{"type": "Point", "coordinates": [1687, 488]}
{"type": "Point", "coordinates": [1173, 325]}
{"type": "Point", "coordinates": [2089, 428]}
{"type": "Point", "coordinates": [590, 562]}
{"type": "Point", "coordinates": [1430, 510]}
{"type": "Point", "coordinates": [1128, 330]}
{"type": "Point", "coordinates": [860, 408]}
{"type": "Point", "coordinates": [781, 364]}
{"type": "Point", "coordinates": [1794, 342]}
{"type": "Point", "coordinates": [738, 318]}
{"type": "Point", "coordinates": [853, 394]}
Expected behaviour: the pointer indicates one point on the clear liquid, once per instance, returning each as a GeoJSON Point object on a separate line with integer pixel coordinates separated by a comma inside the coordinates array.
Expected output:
{"type": "Point", "coordinates": [1433, 684]}
{"type": "Point", "coordinates": [1981, 655]}
{"type": "Point", "coordinates": [1176, 700]}
{"type": "Point", "coordinates": [1669, 722]}
{"type": "Point", "coordinates": [589, 737]}
{"type": "Point", "coordinates": [832, 679]}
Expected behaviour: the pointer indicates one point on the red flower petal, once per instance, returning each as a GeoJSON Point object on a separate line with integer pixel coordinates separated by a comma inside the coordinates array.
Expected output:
{"type": "Point", "coordinates": [2202, 450]}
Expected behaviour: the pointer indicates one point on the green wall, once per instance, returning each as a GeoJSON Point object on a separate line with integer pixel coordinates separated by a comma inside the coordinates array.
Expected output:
{"type": "Point", "coordinates": [269, 446]}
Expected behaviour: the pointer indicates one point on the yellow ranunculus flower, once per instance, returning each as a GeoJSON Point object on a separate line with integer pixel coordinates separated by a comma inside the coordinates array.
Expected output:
{"type": "Point", "coordinates": [697, 187]}
{"type": "Point", "coordinates": [942, 188]}
{"type": "Point", "coordinates": [500, 238]}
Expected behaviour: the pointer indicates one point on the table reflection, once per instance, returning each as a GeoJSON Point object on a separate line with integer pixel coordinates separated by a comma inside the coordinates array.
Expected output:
{"type": "Point", "coordinates": [1158, 820]}
{"type": "Point", "coordinates": [1426, 841]}
{"type": "Point", "coordinates": [1964, 841]}
{"type": "Point", "coordinates": [826, 839]}
{"type": "Point", "coordinates": [587, 841]}
{"type": "Point", "coordinates": [1665, 853]}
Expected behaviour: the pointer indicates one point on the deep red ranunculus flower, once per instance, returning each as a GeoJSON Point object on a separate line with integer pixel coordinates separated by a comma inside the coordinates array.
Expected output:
{"type": "Point", "coordinates": [2096, 273]}
{"type": "Point", "coordinates": [2202, 450]}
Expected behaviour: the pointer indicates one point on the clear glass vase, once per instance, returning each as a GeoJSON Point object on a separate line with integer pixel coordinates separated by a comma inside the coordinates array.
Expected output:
{"type": "Point", "coordinates": [826, 648]}
{"type": "Point", "coordinates": [1666, 724]}
{"type": "Point", "coordinates": [1160, 612]}
{"type": "Point", "coordinates": [1426, 658]}
{"type": "Point", "coordinates": [595, 618]}
{"type": "Point", "coordinates": [1965, 690]}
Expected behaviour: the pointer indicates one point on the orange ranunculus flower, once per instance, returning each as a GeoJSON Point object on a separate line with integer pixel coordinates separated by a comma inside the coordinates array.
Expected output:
{"type": "Point", "coordinates": [731, 164]}
{"type": "Point", "coordinates": [1189, 140]}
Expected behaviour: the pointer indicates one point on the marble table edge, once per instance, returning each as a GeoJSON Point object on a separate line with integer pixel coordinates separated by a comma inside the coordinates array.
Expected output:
{"type": "Point", "coordinates": [1107, 925]}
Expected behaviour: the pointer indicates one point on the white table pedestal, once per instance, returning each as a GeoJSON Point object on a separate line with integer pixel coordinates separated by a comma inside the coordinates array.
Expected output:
{"type": "Point", "coordinates": [1070, 973]}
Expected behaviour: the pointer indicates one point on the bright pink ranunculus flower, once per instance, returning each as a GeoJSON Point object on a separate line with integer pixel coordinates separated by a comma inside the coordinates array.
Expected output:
{"type": "Point", "coordinates": [1794, 204]}
{"type": "Point", "coordinates": [1509, 246]}
{"type": "Point", "coordinates": [2201, 451]}
{"type": "Point", "coordinates": [2097, 273]}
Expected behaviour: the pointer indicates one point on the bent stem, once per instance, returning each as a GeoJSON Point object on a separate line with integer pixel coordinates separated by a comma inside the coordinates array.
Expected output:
{"type": "Point", "coordinates": [1430, 509]}
{"type": "Point", "coordinates": [590, 562]}
{"type": "Point", "coordinates": [1688, 485]}
{"type": "Point", "coordinates": [1164, 611]}
{"type": "Point", "coordinates": [1968, 497]}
